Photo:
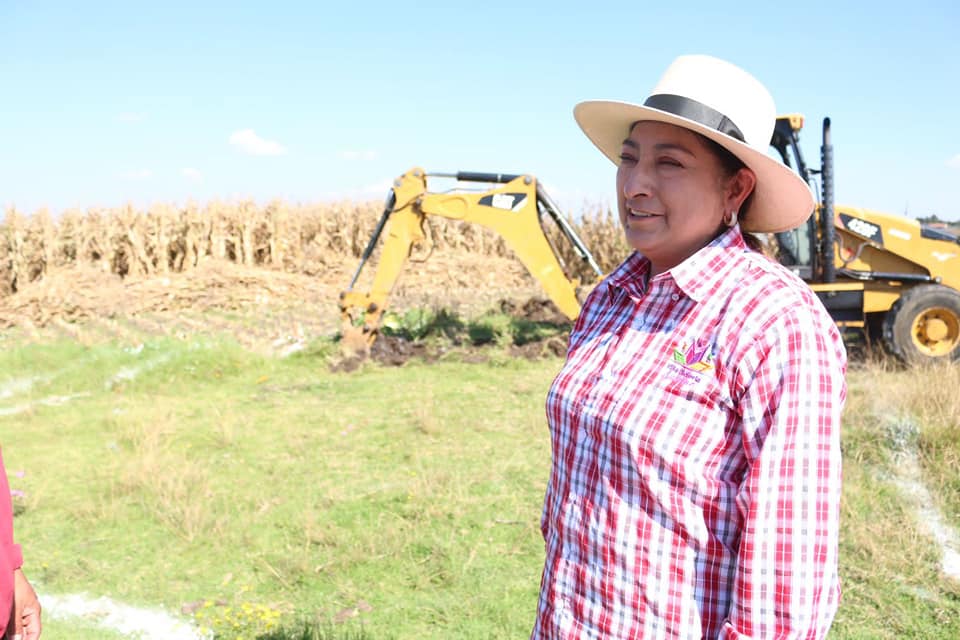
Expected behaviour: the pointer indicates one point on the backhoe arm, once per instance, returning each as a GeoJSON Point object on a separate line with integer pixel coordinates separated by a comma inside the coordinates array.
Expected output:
{"type": "Point", "coordinates": [512, 210]}
{"type": "Point", "coordinates": [403, 225]}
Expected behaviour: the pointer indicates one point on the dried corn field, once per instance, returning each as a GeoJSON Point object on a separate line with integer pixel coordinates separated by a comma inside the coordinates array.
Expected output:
{"type": "Point", "coordinates": [121, 265]}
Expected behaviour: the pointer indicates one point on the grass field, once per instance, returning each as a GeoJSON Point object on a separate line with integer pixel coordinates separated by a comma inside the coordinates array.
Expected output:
{"type": "Point", "coordinates": [250, 494]}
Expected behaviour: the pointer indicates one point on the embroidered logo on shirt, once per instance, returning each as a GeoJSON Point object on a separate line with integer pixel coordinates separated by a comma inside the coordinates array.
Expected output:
{"type": "Point", "coordinates": [695, 356]}
{"type": "Point", "coordinates": [691, 359]}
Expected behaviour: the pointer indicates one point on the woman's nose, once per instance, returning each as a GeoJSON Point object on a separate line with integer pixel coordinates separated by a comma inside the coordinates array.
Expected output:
{"type": "Point", "coordinates": [636, 180]}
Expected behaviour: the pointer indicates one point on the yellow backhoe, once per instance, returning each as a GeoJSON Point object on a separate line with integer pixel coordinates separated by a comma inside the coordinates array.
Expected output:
{"type": "Point", "coordinates": [514, 209]}
{"type": "Point", "coordinates": [891, 277]}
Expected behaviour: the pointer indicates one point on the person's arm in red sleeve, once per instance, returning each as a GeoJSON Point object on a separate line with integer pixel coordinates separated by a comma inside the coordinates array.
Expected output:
{"type": "Point", "coordinates": [787, 584]}
{"type": "Point", "coordinates": [19, 606]}
{"type": "Point", "coordinates": [10, 555]}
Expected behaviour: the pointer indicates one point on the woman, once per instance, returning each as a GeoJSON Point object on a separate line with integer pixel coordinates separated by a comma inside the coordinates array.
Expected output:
{"type": "Point", "coordinates": [19, 607]}
{"type": "Point", "coordinates": [695, 483]}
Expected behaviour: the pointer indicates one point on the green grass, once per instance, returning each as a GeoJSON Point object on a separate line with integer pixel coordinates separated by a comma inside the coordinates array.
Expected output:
{"type": "Point", "coordinates": [400, 502]}
{"type": "Point", "coordinates": [77, 630]}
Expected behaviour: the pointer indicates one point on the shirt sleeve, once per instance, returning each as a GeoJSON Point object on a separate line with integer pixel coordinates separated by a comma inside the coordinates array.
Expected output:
{"type": "Point", "coordinates": [11, 552]}
{"type": "Point", "coordinates": [792, 393]}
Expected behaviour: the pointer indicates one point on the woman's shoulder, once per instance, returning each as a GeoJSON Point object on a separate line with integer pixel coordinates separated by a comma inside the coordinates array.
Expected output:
{"type": "Point", "coordinates": [772, 315]}
{"type": "Point", "coordinates": [770, 277]}
{"type": "Point", "coordinates": [766, 294]}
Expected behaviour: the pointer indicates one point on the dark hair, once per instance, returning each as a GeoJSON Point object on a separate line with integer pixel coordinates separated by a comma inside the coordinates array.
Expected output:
{"type": "Point", "coordinates": [731, 164]}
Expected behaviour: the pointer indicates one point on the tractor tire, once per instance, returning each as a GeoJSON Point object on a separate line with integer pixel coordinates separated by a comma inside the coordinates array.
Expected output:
{"type": "Point", "coordinates": [923, 326]}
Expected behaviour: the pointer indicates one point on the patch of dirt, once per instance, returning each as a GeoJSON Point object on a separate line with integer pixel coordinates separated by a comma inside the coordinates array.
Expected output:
{"type": "Point", "coordinates": [394, 351]}
{"type": "Point", "coordinates": [555, 346]}
{"type": "Point", "coordinates": [535, 309]}
{"type": "Point", "coordinates": [391, 351]}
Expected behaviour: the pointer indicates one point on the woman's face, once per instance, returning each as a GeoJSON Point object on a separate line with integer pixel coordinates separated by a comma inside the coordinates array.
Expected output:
{"type": "Point", "coordinates": [672, 192]}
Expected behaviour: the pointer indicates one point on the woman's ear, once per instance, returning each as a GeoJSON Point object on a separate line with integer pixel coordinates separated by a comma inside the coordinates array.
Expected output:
{"type": "Point", "coordinates": [739, 188]}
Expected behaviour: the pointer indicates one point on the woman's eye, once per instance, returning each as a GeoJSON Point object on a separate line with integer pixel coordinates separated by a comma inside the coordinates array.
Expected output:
{"type": "Point", "coordinates": [625, 157]}
{"type": "Point", "coordinates": [670, 162]}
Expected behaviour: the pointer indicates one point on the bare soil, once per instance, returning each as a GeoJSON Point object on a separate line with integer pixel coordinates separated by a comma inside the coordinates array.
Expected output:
{"type": "Point", "coordinates": [267, 310]}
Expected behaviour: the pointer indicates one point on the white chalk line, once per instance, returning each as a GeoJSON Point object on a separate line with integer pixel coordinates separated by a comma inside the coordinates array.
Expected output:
{"type": "Point", "coordinates": [49, 401]}
{"type": "Point", "coordinates": [22, 385]}
{"type": "Point", "coordinates": [17, 386]}
{"type": "Point", "coordinates": [908, 479]}
{"type": "Point", "coordinates": [127, 374]}
{"type": "Point", "coordinates": [107, 613]}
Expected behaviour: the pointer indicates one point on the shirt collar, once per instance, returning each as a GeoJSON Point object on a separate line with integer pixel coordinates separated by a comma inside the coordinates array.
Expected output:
{"type": "Point", "coordinates": [695, 276]}
{"type": "Point", "coordinates": [705, 270]}
{"type": "Point", "coordinates": [631, 275]}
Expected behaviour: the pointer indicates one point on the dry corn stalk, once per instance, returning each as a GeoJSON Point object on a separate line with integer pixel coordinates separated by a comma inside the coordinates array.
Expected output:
{"type": "Point", "coordinates": [281, 236]}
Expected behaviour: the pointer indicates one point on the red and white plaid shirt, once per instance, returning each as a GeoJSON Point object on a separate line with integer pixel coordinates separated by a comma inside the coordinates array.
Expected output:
{"type": "Point", "coordinates": [695, 484]}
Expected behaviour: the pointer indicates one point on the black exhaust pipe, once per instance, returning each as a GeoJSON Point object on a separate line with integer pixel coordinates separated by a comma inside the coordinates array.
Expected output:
{"type": "Point", "coordinates": [826, 211]}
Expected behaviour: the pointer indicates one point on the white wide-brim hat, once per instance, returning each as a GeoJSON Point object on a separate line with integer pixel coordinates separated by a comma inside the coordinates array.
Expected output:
{"type": "Point", "coordinates": [726, 104]}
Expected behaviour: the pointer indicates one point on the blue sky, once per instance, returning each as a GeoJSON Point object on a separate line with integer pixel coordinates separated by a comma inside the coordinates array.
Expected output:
{"type": "Point", "coordinates": [109, 102]}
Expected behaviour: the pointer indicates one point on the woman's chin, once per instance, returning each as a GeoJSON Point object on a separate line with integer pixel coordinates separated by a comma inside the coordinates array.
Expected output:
{"type": "Point", "coordinates": [641, 241]}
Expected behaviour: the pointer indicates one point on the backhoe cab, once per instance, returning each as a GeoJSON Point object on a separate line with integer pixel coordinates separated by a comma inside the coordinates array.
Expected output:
{"type": "Point", "coordinates": [514, 209]}
{"type": "Point", "coordinates": [889, 276]}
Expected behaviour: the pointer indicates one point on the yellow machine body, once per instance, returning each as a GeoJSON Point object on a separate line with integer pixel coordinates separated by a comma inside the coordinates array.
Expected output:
{"type": "Point", "coordinates": [890, 275]}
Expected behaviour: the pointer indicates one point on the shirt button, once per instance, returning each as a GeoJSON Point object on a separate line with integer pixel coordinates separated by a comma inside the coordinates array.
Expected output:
{"type": "Point", "coordinates": [675, 297]}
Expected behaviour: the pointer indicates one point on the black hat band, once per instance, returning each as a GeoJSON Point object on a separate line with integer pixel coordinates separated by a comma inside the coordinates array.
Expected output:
{"type": "Point", "coordinates": [696, 111]}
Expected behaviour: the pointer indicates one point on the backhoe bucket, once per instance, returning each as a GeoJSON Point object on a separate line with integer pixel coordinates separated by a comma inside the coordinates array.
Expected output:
{"type": "Point", "coordinates": [355, 342]}
{"type": "Point", "coordinates": [357, 333]}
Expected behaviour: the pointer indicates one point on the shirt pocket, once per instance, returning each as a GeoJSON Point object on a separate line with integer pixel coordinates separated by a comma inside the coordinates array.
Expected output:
{"type": "Point", "coordinates": [678, 431]}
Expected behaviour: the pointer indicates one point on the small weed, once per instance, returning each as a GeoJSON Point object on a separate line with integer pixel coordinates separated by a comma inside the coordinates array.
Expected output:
{"type": "Point", "coordinates": [162, 479]}
{"type": "Point", "coordinates": [246, 620]}
{"type": "Point", "coordinates": [420, 324]}
{"type": "Point", "coordinates": [491, 328]}
{"type": "Point", "coordinates": [525, 331]}
{"type": "Point", "coordinates": [316, 631]}
{"type": "Point", "coordinates": [18, 496]}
